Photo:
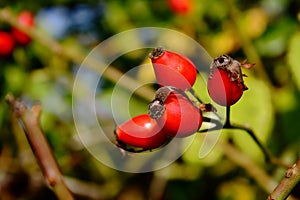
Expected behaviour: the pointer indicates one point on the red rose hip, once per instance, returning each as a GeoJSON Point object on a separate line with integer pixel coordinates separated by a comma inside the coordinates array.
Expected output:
{"type": "Point", "coordinates": [178, 116]}
{"type": "Point", "coordinates": [173, 69]}
{"type": "Point", "coordinates": [225, 83]}
{"type": "Point", "coordinates": [222, 90]}
{"type": "Point", "coordinates": [141, 132]}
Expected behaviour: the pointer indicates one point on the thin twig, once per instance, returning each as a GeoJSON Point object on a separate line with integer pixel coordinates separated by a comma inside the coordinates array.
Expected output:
{"type": "Point", "coordinates": [217, 123]}
{"type": "Point", "coordinates": [192, 91]}
{"type": "Point", "coordinates": [291, 179]}
{"type": "Point", "coordinates": [243, 161]}
{"type": "Point", "coordinates": [30, 121]}
{"type": "Point", "coordinates": [269, 157]}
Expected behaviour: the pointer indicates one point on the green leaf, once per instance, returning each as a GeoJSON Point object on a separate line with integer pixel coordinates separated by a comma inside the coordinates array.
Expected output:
{"type": "Point", "coordinates": [122, 103]}
{"type": "Point", "coordinates": [293, 58]}
{"type": "Point", "coordinates": [254, 110]}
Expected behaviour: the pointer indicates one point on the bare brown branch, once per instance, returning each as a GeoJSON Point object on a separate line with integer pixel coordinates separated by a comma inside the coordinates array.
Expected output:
{"type": "Point", "coordinates": [29, 119]}
{"type": "Point", "coordinates": [290, 180]}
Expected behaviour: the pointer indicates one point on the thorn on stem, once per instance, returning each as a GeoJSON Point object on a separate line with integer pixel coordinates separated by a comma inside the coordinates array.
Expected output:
{"type": "Point", "coordinates": [18, 107]}
{"type": "Point", "coordinates": [290, 171]}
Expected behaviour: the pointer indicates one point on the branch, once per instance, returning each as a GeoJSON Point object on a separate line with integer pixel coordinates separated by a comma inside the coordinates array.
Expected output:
{"type": "Point", "coordinates": [292, 177]}
{"type": "Point", "coordinates": [30, 122]}
{"type": "Point", "coordinates": [252, 169]}
{"type": "Point", "coordinates": [269, 157]}
{"type": "Point", "coordinates": [241, 159]}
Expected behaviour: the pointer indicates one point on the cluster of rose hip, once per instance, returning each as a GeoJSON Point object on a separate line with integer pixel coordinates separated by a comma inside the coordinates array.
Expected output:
{"type": "Point", "coordinates": [9, 39]}
{"type": "Point", "coordinates": [173, 113]}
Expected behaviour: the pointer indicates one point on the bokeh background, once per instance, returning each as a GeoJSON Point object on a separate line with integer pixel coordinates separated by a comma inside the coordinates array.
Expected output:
{"type": "Point", "coordinates": [266, 32]}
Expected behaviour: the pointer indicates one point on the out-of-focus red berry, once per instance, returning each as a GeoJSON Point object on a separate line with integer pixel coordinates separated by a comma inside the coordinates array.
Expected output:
{"type": "Point", "coordinates": [7, 43]}
{"type": "Point", "coordinates": [25, 18]}
{"type": "Point", "coordinates": [180, 6]}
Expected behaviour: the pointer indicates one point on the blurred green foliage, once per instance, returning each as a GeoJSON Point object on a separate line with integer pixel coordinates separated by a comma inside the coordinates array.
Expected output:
{"type": "Point", "coordinates": [271, 106]}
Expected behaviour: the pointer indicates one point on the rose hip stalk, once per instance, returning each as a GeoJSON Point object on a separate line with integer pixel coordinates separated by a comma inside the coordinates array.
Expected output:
{"type": "Point", "coordinates": [225, 82]}
{"type": "Point", "coordinates": [173, 69]}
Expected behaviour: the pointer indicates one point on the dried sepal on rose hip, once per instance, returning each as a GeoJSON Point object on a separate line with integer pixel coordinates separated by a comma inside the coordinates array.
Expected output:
{"type": "Point", "coordinates": [225, 82]}
{"type": "Point", "coordinates": [173, 69]}
{"type": "Point", "coordinates": [175, 113]}
{"type": "Point", "coordinates": [140, 133]}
